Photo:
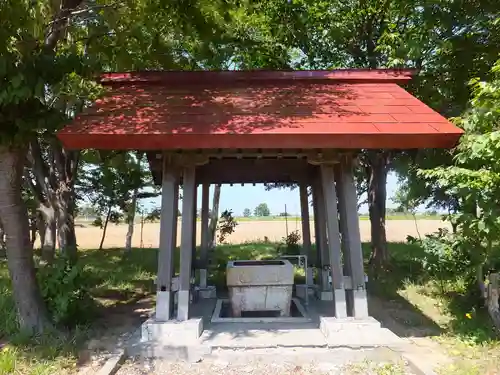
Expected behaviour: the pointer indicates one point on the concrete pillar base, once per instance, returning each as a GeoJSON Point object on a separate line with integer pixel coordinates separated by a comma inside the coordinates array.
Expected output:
{"type": "Point", "coordinates": [203, 278]}
{"type": "Point", "coordinates": [310, 276]}
{"type": "Point", "coordinates": [323, 295]}
{"type": "Point", "coordinates": [325, 280]}
{"type": "Point", "coordinates": [183, 300]}
{"type": "Point", "coordinates": [360, 304]}
{"type": "Point", "coordinates": [300, 290]}
{"type": "Point", "coordinates": [207, 292]}
{"type": "Point", "coordinates": [356, 332]}
{"type": "Point", "coordinates": [340, 303]}
{"type": "Point", "coordinates": [172, 332]}
{"type": "Point", "coordinates": [164, 304]}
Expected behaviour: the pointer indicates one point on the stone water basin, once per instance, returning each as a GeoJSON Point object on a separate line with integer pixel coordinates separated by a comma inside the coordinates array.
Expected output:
{"type": "Point", "coordinates": [260, 285]}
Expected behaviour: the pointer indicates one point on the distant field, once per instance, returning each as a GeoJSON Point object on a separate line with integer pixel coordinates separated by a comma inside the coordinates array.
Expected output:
{"type": "Point", "coordinates": [247, 230]}
{"type": "Point", "coordinates": [295, 218]}
{"type": "Point", "coordinates": [361, 217]}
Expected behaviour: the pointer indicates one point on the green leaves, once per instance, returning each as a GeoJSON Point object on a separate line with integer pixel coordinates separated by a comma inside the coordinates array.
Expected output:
{"type": "Point", "coordinates": [34, 75]}
{"type": "Point", "coordinates": [475, 177]}
{"type": "Point", "coordinates": [108, 183]}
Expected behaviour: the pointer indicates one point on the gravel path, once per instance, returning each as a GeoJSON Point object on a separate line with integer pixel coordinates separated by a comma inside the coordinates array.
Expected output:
{"type": "Point", "coordinates": [272, 363]}
{"type": "Point", "coordinates": [258, 368]}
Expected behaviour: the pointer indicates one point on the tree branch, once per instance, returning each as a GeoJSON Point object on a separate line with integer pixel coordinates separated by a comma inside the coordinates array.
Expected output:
{"type": "Point", "coordinates": [35, 188]}
{"type": "Point", "coordinates": [39, 167]}
{"type": "Point", "coordinates": [60, 23]}
{"type": "Point", "coordinates": [76, 12]}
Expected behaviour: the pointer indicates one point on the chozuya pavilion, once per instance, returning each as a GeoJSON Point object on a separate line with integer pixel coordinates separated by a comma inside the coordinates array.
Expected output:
{"type": "Point", "coordinates": [304, 127]}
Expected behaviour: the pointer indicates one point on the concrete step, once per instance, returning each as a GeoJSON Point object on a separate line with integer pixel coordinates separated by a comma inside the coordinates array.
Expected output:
{"type": "Point", "coordinates": [238, 336]}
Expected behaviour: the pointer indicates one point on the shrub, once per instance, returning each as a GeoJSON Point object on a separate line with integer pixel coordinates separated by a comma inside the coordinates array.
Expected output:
{"type": "Point", "coordinates": [226, 225]}
{"type": "Point", "coordinates": [65, 290]}
{"type": "Point", "coordinates": [8, 325]}
{"type": "Point", "coordinates": [290, 244]}
{"type": "Point", "coordinates": [442, 259]}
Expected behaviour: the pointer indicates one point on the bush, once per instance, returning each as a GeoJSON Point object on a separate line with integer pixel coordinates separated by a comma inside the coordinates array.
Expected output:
{"type": "Point", "coordinates": [8, 325]}
{"type": "Point", "coordinates": [290, 244]}
{"type": "Point", "coordinates": [65, 290]}
{"type": "Point", "coordinates": [226, 225]}
{"type": "Point", "coordinates": [442, 259]}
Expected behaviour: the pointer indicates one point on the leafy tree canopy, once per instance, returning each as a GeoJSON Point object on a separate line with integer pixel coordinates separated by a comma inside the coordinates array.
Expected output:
{"type": "Point", "coordinates": [262, 210]}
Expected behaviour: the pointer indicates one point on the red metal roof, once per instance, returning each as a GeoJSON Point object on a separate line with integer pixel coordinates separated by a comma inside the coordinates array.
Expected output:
{"type": "Point", "coordinates": [328, 109]}
{"type": "Point", "coordinates": [259, 76]}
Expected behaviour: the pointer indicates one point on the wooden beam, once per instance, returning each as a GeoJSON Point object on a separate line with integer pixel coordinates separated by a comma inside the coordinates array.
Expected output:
{"type": "Point", "coordinates": [247, 166]}
{"type": "Point", "coordinates": [227, 171]}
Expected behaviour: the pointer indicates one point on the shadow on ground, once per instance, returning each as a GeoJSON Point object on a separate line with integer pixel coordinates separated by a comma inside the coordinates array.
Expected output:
{"type": "Point", "coordinates": [123, 284]}
{"type": "Point", "coordinates": [125, 281]}
{"type": "Point", "coordinates": [122, 281]}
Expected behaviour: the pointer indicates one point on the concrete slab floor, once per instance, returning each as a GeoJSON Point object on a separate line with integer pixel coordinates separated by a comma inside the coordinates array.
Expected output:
{"type": "Point", "coordinates": [262, 335]}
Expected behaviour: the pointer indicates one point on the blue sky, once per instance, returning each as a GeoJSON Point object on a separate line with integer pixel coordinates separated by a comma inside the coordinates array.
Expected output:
{"type": "Point", "coordinates": [238, 197]}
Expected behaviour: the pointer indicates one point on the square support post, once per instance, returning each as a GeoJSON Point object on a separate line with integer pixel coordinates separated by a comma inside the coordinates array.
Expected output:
{"type": "Point", "coordinates": [332, 222]}
{"type": "Point", "coordinates": [205, 198]}
{"type": "Point", "coordinates": [323, 258]}
{"type": "Point", "coordinates": [306, 231]}
{"type": "Point", "coordinates": [168, 237]}
{"type": "Point", "coordinates": [195, 206]}
{"type": "Point", "coordinates": [186, 253]}
{"type": "Point", "coordinates": [351, 238]}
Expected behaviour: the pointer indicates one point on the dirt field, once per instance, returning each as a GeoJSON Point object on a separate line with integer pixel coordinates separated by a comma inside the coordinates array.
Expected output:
{"type": "Point", "coordinates": [397, 230]}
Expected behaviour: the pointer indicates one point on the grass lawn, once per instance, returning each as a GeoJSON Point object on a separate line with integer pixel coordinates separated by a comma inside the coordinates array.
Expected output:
{"type": "Point", "coordinates": [121, 283]}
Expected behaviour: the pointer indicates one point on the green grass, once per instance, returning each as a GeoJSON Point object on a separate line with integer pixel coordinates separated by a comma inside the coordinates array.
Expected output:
{"type": "Point", "coordinates": [467, 333]}
{"type": "Point", "coordinates": [120, 279]}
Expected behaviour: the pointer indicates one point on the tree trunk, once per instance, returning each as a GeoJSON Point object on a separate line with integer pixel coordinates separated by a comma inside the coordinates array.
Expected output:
{"type": "Point", "coordinates": [48, 233]}
{"type": "Point", "coordinates": [214, 216]}
{"type": "Point", "coordinates": [33, 229]}
{"type": "Point", "coordinates": [66, 223]}
{"type": "Point", "coordinates": [32, 314]}
{"type": "Point", "coordinates": [40, 225]}
{"type": "Point", "coordinates": [52, 180]}
{"type": "Point", "coordinates": [2, 237]}
{"type": "Point", "coordinates": [130, 221]}
{"type": "Point", "coordinates": [377, 196]}
{"type": "Point", "coordinates": [108, 215]}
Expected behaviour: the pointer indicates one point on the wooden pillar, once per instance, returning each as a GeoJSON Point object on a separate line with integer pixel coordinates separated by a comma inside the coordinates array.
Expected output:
{"type": "Point", "coordinates": [175, 223]}
{"type": "Point", "coordinates": [186, 252]}
{"type": "Point", "coordinates": [306, 232]}
{"type": "Point", "coordinates": [168, 229]}
{"type": "Point", "coordinates": [306, 229]}
{"type": "Point", "coordinates": [317, 244]}
{"type": "Point", "coordinates": [205, 201]}
{"type": "Point", "coordinates": [351, 238]}
{"type": "Point", "coordinates": [332, 222]}
{"type": "Point", "coordinates": [194, 263]}
{"type": "Point", "coordinates": [321, 237]}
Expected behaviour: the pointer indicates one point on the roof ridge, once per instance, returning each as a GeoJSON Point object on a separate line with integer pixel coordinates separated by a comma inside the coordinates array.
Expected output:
{"type": "Point", "coordinates": [232, 76]}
